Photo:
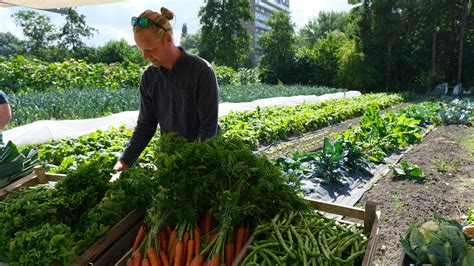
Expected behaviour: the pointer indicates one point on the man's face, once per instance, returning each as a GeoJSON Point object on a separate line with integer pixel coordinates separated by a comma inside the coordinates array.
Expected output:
{"type": "Point", "coordinates": [152, 48]}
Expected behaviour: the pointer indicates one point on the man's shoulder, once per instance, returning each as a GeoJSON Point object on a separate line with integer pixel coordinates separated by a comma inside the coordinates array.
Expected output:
{"type": "Point", "coordinates": [198, 62]}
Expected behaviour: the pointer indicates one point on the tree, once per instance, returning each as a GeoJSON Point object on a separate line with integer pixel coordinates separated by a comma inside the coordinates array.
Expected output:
{"type": "Point", "coordinates": [117, 52]}
{"type": "Point", "coordinates": [318, 27]}
{"type": "Point", "coordinates": [278, 49]}
{"type": "Point", "coordinates": [184, 30]}
{"type": "Point", "coordinates": [72, 31]}
{"type": "Point", "coordinates": [191, 42]}
{"type": "Point", "coordinates": [38, 30]}
{"type": "Point", "coordinates": [224, 39]}
{"type": "Point", "coordinates": [10, 45]}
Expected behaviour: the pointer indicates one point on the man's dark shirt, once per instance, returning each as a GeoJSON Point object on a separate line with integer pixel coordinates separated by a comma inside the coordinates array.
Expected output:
{"type": "Point", "coordinates": [183, 100]}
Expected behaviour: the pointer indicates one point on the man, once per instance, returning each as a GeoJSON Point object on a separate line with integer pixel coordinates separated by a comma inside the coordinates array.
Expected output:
{"type": "Point", "coordinates": [5, 113]}
{"type": "Point", "coordinates": [179, 91]}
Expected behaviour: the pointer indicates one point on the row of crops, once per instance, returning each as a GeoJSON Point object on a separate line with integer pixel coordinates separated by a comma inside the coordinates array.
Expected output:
{"type": "Point", "coordinates": [91, 103]}
{"type": "Point", "coordinates": [47, 223]}
{"type": "Point", "coordinates": [67, 153]}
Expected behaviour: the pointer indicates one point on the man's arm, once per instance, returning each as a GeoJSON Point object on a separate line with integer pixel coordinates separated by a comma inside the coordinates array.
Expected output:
{"type": "Point", "coordinates": [5, 115]}
{"type": "Point", "coordinates": [144, 131]}
{"type": "Point", "coordinates": [207, 104]}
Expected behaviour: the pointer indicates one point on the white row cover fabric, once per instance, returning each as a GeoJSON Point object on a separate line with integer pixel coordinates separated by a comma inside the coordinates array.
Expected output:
{"type": "Point", "coordinates": [47, 4]}
{"type": "Point", "coordinates": [45, 130]}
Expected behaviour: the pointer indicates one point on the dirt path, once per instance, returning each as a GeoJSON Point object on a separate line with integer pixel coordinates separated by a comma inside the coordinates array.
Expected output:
{"type": "Point", "coordinates": [446, 156]}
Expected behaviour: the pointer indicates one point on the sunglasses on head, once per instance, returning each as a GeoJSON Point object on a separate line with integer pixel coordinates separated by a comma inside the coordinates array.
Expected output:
{"type": "Point", "coordinates": [144, 22]}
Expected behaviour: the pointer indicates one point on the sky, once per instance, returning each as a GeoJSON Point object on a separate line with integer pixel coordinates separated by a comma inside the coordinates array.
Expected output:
{"type": "Point", "coordinates": [113, 20]}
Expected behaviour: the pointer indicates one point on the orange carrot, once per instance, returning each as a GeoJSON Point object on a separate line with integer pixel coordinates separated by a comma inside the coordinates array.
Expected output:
{"type": "Point", "coordinates": [197, 261]}
{"type": "Point", "coordinates": [229, 253]}
{"type": "Point", "coordinates": [239, 241]}
{"type": "Point", "coordinates": [137, 258]}
{"type": "Point", "coordinates": [197, 241]}
{"type": "Point", "coordinates": [172, 240]}
{"type": "Point", "coordinates": [207, 222]}
{"type": "Point", "coordinates": [168, 229]}
{"type": "Point", "coordinates": [146, 262]}
{"type": "Point", "coordinates": [178, 259]}
{"type": "Point", "coordinates": [186, 237]}
{"type": "Point", "coordinates": [154, 260]}
{"type": "Point", "coordinates": [246, 234]}
{"type": "Point", "coordinates": [138, 238]}
{"type": "Point", "coordinates": [190, 250]}
{"type": "Point", "coordinates": [222, 264]}
{"type": "Point", "coordinates": [129, 262]}
{"type": "Point", "coordinates": [215, 260]}
{"type": "Point", "coordinates": [164, 258]}
{"type": "Point", "coordinates": [163, 241]}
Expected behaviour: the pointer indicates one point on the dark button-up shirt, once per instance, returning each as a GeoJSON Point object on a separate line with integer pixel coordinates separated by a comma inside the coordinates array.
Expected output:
{"type": "Point", "coordinates": [183, 100]}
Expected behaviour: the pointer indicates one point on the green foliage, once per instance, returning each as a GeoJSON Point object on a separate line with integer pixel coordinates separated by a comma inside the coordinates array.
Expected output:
{"type": "Point", "coordinates": [224, 40]}
{"type": "Point", "coordinates": [269, 124]}
{"type": "Point", "coordinates": [458, 112]}
{"type": "Point", "coordinates": [190, 42]}
{"type": "Point", "coordinates": [21, 74]}
{"type": "Point", "coordinates": [115, 52]}
{"type": "Point", "coordinates": [15, 164]}
{"type": "Point", "coordinates": [278, 49]}
{"type": "Point", "coordinates": [470, 216]}
{"type": "Point", "coordinates": [248, 93]}
{"type": "Point", "coordinates": [325, 23]}
{"type": "Point", "coordinates": [229, 76]}
{"type": "Point", "coordinates": [408, 171]}
{"type": "Point", "coordinates": [57, 105]}
{"type": "Point", "coordinates": [38, 29]}
{"type": "Point", "coordinates": [439, 242]}
{"type": "Point", "coordinates": [45, 223]}
{"type": "Point", "coordinates": [71, 32]}
{"type": "Point", "coordinates": [10, 45]}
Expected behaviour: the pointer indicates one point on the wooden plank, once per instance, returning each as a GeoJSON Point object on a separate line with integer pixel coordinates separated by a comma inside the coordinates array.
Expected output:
{"type": "Point", "coordinates": [28, 180]}
{"type": "Point", "coordinates": [55, 177]}
{"type": "Point", "coordinates": [241, 256]}
{"type": "Point", "coordinates": [369, 216]}
{"type": "Point", "coordinates": [120, 247]}
{"type": "Point", "coordinates": [334, 208]}
{"type": "Point", "coordinates": [372, 244]}
{"type": "Point", "coordinates": [40, 174]}
{"type": "Point", "coordinates": [110, 237]}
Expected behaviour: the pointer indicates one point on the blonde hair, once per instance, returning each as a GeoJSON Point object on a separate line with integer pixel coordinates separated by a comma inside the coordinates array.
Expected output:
{"type": "Point", "coordinates": [162, 19]}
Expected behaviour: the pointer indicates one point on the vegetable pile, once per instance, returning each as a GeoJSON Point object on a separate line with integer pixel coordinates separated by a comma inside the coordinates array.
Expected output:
{"type": "Point", "coordinates": [15, 164]}
{"type": "Point", "coordinates": [306, 238]}
{"type": "Point", "coordinates": [220, 178]}
{"type": "Point", "coordinates": [44, 224]}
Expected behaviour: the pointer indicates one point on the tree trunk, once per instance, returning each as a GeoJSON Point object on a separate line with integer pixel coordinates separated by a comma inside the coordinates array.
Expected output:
{"type": "Point", "coordinates": [433, 48]}
{"type": "Point", "coordinates": [461, 38]}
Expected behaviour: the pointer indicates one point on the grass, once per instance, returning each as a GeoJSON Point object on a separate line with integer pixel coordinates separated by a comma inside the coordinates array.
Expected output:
{"type": "Point", "coordinates": [468, 144]}
{"type": "Point", "coordinates": [444, 166]}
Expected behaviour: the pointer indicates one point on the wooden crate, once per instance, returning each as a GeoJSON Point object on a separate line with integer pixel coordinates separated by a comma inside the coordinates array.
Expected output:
{"type": "Point", "coordinates": [117, 241]}
{"type": "Point", "coordinates": [369, 216]}
{"type": "Point", "coordinates": [38, 176]}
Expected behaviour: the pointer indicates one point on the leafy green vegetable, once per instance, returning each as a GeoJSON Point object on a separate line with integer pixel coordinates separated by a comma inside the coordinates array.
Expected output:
{"type": "Point", "coordinates": [408, 171]}
{"type": "Point", "coordinates": [15, 164]}
{"type": "Point", "coordinates": [439, 242]}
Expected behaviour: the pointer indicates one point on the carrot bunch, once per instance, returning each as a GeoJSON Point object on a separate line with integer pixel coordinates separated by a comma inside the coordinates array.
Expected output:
{"type": "Point", "coordinates": [181, 246]}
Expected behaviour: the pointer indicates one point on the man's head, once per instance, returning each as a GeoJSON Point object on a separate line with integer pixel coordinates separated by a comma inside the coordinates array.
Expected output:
{"type": "Point", "coordinates": [154, 36]}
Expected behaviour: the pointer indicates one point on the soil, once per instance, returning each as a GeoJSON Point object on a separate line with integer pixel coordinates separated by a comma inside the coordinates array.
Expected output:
{"type": "Point", "coordinates": [446, 156]}
{"type": "Point", "coordinates": [314, 140]}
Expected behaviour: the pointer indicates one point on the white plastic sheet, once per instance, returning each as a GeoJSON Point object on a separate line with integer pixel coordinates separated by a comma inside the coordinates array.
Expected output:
{"type": "Point", "coordinates": [45, 130]}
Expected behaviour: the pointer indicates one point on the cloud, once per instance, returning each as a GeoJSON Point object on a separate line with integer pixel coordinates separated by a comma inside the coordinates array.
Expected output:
{"type": "Point", "coordinates": [302, 11]}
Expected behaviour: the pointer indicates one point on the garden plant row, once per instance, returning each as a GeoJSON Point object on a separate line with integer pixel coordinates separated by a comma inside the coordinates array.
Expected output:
{"type": "Point", "coordinates": [58, 104]}
{"type": "Point", "coordinates": [372, 140]}
{"type": "Point", "coordinates": [67, 153]}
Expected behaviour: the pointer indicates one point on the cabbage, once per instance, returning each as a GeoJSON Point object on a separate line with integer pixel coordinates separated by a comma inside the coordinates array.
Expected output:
{"type": "Point", "coordinates": [439, 242]}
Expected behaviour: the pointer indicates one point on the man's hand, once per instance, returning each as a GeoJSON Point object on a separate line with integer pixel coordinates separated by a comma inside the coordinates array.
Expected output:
{"type": "Point", "coordinates": [120, 165]}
